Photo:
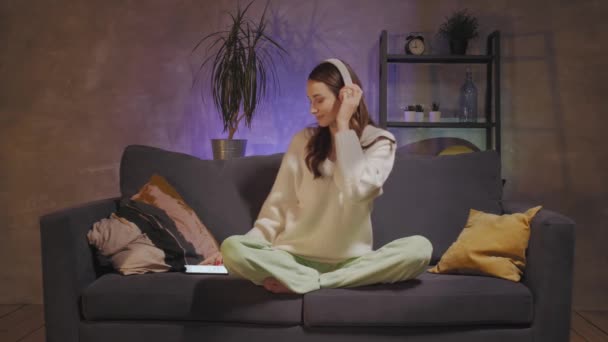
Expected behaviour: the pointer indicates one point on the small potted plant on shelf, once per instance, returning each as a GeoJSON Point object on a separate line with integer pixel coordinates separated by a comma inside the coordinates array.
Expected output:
{"type": "Point", "coordinates": [435, 114]}
{"type": "Point", "coordinates": [241, 69]}
{"type": "Point", "coordinates": [409, 113]}
{"type": "Point", "coordinates": [419, 113]}
{"type": "Point", "coordinates": [458, 29]}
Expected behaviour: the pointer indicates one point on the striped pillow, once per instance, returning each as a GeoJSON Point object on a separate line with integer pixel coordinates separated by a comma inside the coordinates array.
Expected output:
{"type": "Point", "coordinates": [160, 194]}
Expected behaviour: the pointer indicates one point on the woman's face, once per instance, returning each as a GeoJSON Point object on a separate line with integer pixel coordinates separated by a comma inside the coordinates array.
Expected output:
{"type": "Point", "coordinates": [324, 104]}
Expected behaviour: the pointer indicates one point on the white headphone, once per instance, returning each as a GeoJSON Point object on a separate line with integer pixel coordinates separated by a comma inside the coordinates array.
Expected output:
{"type": "Point", "coordinates": [342, 69]}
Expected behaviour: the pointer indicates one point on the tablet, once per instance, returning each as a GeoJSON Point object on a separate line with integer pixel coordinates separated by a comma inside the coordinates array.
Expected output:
{"type": "Point", "coordinates": [206, 269]}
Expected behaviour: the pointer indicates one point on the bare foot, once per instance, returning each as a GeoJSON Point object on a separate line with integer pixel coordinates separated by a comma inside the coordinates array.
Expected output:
{"type": "Point", "coordinates": [275, 286]}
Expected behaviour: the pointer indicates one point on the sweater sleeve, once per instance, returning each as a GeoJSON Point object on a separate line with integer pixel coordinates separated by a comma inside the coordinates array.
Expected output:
{"type": "Point", "coordinates": [361, 174]}
{"type": "Point", "coordinates": [271, 219]}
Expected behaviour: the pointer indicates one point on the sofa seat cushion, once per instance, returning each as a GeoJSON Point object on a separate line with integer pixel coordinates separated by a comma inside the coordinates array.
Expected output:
{"type": "Point", "coordinates": [179, 296]}
{"type": "Point", "coordinates": [430, 299]}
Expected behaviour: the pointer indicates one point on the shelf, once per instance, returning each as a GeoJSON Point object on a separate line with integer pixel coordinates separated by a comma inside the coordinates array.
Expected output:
{"type": "Point", "coordinates": [453, 59]}
{"type": "Point", "coordinates": [440, 124]}
{"type": "Point", "coordinates": [489, 57]}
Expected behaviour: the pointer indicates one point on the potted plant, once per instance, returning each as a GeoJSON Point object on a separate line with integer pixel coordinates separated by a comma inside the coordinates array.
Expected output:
{"type": "Point", "coordinates": [409, 113]}
{"type": "Point", "coordinates": [240, 68]}
{"type": "Point", "coordinates": [419, 113]}
{"type": "Point", "coordinates": [435, 114]}
{"type": "Point", "coordinates": [458, 29]}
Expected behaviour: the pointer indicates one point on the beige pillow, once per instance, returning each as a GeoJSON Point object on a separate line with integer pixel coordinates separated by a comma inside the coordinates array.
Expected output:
{"type": "Point", "coordinates": [490, 245]}
{"type": "Point", "coordinates": [127, 248]}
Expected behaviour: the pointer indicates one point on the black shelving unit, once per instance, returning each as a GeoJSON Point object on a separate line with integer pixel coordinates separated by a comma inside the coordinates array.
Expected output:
{"type": "Point", "coordinates": [492, 97]}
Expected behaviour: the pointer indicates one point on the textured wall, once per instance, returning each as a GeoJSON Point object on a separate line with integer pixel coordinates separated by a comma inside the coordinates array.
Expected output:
{"type": "Point", "coordinates": [80, 80]}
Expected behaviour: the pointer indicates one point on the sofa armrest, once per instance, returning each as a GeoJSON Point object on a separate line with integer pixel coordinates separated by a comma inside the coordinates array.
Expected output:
{"type": "Point", "coordinates": [68, 265]}
{"type": "Point", "coordinates": [549, 272]}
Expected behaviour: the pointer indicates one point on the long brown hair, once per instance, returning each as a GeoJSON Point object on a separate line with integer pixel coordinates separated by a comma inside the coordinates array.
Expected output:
{"type": "Point", "coordinates": [319, 145]}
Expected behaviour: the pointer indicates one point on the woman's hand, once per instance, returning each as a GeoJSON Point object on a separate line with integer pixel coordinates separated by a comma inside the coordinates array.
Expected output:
{"type": "Point", "coordinates": [350, 97]}
{"type": "Point", "coordinates": [213, 259]}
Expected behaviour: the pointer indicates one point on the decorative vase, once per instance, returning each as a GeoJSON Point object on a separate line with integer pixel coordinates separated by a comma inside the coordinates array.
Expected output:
{"type": "Point", "coordinates": [468, 99]}
{"type": "Point", "coordinates": [419, 116]}
{"type": "Point", "coordinates": [224, 149]}
{"type": "Point", "coordinates": [434, 116]}
{"type": "Point", "coordinates": [458, 46]}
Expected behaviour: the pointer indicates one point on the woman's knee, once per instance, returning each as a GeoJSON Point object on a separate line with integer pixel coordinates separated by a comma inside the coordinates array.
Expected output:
{"type": "Point", "coordinates": [230, 247]}
{"type": "Point", "coordinates": [423, 248]}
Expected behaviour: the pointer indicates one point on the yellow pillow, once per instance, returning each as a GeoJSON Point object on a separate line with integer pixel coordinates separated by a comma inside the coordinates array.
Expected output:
{"type": "Point", "coordinates": [490, 245]}
{"type": "Point", "coordinates": [455, 149]}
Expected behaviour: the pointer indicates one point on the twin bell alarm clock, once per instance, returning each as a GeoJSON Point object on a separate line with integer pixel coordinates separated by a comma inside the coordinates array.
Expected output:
{"type": "Point", "coordinates": [414, 44]}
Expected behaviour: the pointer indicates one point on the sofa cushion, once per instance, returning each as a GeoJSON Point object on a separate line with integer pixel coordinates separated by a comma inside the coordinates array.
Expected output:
{"type": "Point", "coordinates": [430, 299]}
{"type": "Point", "coordinates": [202, 184]}
{"type": "Point", "coordinates": [179, 296]}
{"type": "Point", "coordinates": [432, 196]}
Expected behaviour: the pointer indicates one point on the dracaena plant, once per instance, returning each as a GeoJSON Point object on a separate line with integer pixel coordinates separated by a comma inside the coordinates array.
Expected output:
{"type": "Point", "coordinates": [241, 67]}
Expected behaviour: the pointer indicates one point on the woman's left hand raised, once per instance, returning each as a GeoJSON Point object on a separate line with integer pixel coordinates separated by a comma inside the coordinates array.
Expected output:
{"type": "Point", "coordinates": [350, 97]}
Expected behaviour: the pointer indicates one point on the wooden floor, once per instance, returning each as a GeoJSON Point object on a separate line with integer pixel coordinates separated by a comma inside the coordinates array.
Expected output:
{"type": "Point", "coordinates": [25, 323]}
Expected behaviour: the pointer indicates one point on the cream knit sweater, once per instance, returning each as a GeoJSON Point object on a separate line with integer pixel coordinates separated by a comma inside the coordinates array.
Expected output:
{"type": "Point", "coordinates": [327, 219]}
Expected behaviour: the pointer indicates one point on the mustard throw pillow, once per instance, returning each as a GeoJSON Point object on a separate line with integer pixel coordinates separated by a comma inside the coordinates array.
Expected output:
{"type": "Point", "coordinates": [455, 149]}
{"type": "Point", "coordinates": [490, 245]}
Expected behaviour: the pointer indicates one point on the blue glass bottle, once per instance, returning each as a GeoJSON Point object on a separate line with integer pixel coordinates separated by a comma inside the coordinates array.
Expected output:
{"type": "Point", "coordinates": [468, 99]}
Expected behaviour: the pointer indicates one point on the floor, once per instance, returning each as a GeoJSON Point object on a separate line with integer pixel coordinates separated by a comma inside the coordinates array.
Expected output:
{"type": "Point", "coordinates": [25, 323]}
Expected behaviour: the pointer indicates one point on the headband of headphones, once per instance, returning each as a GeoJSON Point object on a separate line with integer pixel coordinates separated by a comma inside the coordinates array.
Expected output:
{"type": "Point", "coordinates": [342, 69]}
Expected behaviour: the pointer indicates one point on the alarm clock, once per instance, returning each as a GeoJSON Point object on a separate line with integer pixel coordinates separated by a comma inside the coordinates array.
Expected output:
{"type": "Point", "coordinates": [414, 44]}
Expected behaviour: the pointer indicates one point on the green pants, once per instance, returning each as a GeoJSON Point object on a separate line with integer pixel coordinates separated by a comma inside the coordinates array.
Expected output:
{"type": "Point", "coordinates": [256, 260]}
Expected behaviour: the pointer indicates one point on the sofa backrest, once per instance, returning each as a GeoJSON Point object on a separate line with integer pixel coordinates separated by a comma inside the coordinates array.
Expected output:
{"type": "Point", "coordinates": [253, 177]}
{"type": "Point", "coordinates": [202, 183]}
{"type": "Point", "coordinates": [429, 196]}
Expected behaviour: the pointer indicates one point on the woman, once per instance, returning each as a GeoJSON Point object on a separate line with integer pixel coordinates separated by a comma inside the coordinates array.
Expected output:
{"type": "Point", "coordinates": [314, 229]}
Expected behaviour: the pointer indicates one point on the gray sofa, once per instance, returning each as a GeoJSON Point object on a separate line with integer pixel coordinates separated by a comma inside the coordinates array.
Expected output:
{"type": "Point", "coordinates": [429, 196]}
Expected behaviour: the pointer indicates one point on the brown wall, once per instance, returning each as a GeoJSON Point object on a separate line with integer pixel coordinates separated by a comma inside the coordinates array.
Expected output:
{"type": "Point", "coordinates": [80, 80]}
